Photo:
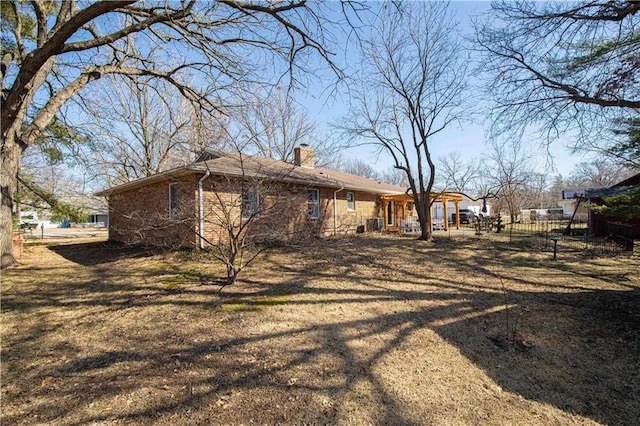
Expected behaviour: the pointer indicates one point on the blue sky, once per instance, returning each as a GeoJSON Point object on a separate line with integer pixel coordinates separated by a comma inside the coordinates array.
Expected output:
{"type": "Point", "coordinates": [468, 138]}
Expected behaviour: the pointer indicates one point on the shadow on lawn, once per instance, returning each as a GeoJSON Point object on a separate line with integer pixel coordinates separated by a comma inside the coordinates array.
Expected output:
{"type": "Point", "coordinates": [97, 253]}
{"type": "Point", "coordinates": [578, 350]}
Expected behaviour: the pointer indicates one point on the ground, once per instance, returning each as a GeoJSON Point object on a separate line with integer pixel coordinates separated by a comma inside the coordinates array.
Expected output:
{"type": "Point", "coordinates": [362, 330]}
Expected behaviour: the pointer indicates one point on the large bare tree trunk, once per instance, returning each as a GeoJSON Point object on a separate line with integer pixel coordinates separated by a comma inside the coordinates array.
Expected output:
{"type": "Point", "coordinates": [10, 164]}
{"type": "Point", "coordinates": [425, 223]}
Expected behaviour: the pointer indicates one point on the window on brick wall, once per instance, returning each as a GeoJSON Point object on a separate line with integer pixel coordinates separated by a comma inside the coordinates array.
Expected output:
{"type": "Point", "coordinates": [250, 203]}
{"type": "Point", "coordinates": [174, 213]}
{"type": "Point", "coordinates": [351, 201]}
{"type": "Point", "coordinates": [313, 202]}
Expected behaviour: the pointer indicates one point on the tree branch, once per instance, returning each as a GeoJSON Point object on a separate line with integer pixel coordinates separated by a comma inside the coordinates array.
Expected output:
{"type": "Point", "coordinates": [131, 29]}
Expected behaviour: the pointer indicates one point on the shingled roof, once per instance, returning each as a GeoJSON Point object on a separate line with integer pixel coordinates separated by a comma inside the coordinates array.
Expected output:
{"type": "Point", "coordinates": [233, 164]}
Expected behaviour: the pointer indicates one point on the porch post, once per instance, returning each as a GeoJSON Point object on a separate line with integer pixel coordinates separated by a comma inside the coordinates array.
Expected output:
{"type": "Point", "coordinates": [431, 209]}
{"type": "Point", "coordinates": [384, 214]}
{"type": "Point", "coordinates": [445, 212]}
{"type": "Point", "coordinates": [457, 215]}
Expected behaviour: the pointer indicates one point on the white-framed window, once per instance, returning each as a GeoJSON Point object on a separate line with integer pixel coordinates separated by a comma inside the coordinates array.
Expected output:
{"type": "Point", "coordinates": [250, 202]}
{"type": "Point", "coordinates": [174, 206]}
{"type": "Point", "coordinates": [313, 202]}
{"type": "Point", "coordinates": [351, 201]}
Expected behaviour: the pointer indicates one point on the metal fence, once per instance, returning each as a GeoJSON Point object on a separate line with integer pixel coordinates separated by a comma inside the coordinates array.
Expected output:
{"type": "Point", "coordinates": [547, 233]}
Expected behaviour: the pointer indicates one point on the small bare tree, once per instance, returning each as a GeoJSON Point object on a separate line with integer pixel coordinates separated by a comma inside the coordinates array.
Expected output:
{"type": "Point", "coordinates": [249, 211]}
{"type": "Point", "coordinates": [412, 86]}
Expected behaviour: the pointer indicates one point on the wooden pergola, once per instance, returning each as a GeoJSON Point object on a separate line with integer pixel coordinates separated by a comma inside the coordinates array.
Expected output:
{"type": "Point", "coordinates": [396, 208]}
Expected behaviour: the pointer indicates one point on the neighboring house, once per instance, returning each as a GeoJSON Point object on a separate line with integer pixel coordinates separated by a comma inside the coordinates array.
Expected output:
{"type": "Point", "coordinates": [97, 213]}
{"type": "Point", "coordinates": [95, 209]}
{"type": "Point", "coordinates": [569, 202]}
{"type": "Point", "coordinates": [193, 205]}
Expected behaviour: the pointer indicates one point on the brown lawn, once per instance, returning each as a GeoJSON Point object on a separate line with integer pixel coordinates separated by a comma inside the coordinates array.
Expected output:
{"type": "Point", "coordinates": [363, 330]}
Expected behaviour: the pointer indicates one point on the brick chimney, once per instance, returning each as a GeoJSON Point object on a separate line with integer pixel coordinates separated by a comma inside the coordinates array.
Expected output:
{"type": "Point", "coordinates": [303, 156]}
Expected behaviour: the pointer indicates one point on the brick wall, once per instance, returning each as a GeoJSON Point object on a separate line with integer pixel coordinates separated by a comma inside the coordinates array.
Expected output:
{"type": "Point", "coordinates": [366, 207]}
{"type": "Point", "coordinates": [141, 216]}
{"type": "Point", "coordinates": [282, 214]}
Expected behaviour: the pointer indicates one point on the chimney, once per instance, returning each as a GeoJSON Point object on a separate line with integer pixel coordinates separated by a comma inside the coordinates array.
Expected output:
{"type": "Point", "coordinates": [303, 156]}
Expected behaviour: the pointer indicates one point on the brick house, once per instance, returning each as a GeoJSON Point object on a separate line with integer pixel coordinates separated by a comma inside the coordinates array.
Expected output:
{"type": "Point", "coordinates": [194, 205]}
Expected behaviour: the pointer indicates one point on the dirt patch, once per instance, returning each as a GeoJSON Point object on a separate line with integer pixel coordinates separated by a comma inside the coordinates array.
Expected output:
{"type": "Point", "coordinates": [363, 330]}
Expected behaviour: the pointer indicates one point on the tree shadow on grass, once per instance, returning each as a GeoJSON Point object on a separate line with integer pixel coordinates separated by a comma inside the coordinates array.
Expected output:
{"type": "Point", "coordinates": [188, 360]}
{"type": "Point", "coordinates": [102, 252]}
{"type": "Point", "coordinates": [576, 351]}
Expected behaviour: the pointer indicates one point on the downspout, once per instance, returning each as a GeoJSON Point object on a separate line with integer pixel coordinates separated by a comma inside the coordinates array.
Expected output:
{"type": "Point", "coordinates": [201, 211]}
{"type": "Point", "coordinates": [335, 210]}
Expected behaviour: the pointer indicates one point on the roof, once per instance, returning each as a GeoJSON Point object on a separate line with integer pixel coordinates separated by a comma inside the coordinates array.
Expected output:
{"type": "Point", "coordinates": [233, 164]}
{"type": "Point", "coordinates": [633, 180]}
{"type": "Point", "coordinates": [607, 192]}
{"type": "Point", "coordinates": [618, 188]}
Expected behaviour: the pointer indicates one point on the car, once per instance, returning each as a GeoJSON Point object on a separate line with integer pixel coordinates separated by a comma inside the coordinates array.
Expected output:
{"type": "Point", "coordinates": [28, 225]}
{"type": "Point", "coordinates": [466, 216]}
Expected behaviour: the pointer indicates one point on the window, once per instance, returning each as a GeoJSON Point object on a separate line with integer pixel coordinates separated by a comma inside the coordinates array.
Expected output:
{"type": "Point", "coordinates": [313, 202]}
{"type": "Point", "coordinates": [351, 201]}
{"type": "Point", "coordinates": [174, 213]}
{"type": "Point", "coordinates": [409, 207]}
{"type": "Point", "coordinates": [250, 203]}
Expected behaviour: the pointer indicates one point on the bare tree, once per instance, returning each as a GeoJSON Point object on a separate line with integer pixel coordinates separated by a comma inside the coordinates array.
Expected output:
{"type": "Point", "coordinates": [598, 172]}
{"type": "Point", "coordinates": [250, 210]}
{"type": "Point", "coordinates": [359, 168]}
{"type": "Point", "coordinates": [534, 194]}
{"type": "Point", "coordinates": [395, 177]}
{"type": "Point", "coordinates": [459, 175]}
{"type": "Point", "coordinates": [140, 128]}
{"type": "Point", "coordinates": [273, 124]}
{"type": "Point", "coordinates": [199, 48]}
{"type": "Point", "coordinates": [246, 216]}
{"type": "Point", "coordinates": [509, 169]}
{"type": "Point", "coordinates": [563, 68]}
{"type": "Point", "coordinates": [412, 87]}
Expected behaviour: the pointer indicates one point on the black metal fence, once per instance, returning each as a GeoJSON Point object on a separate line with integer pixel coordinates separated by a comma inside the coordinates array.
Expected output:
{"type": "Point", "coordinates": [572, 237]}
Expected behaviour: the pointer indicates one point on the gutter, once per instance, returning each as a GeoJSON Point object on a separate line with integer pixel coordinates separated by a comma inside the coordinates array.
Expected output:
{"type": "Point", "coordinates": [335, 210]}
{"type": "Point", "coordinates": [201, 211]}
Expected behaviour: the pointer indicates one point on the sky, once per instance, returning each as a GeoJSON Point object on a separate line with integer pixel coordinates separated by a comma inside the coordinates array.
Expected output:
{"type": "Point", "coordinates": [468, 138]}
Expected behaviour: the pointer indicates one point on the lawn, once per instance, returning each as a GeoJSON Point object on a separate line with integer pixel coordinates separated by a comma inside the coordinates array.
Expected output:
{"type": "Point", "coordinates": [360, 330]}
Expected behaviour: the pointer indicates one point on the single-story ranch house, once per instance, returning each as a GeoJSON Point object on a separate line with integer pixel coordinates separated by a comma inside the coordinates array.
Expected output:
{"type": "Point", "coordinates": [196, 204]}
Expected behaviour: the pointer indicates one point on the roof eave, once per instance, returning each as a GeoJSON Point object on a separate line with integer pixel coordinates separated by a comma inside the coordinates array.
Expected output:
{"type": "Point", "coordinates": [180, 171]}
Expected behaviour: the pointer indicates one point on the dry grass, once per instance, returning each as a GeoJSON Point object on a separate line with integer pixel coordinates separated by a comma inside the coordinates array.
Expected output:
{"type": "Point", "coordinates": [367, 330]}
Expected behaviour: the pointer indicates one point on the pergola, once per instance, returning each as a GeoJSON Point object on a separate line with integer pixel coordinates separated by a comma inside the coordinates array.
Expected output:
{"type": "Point", "coordinates": [395, 208]}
